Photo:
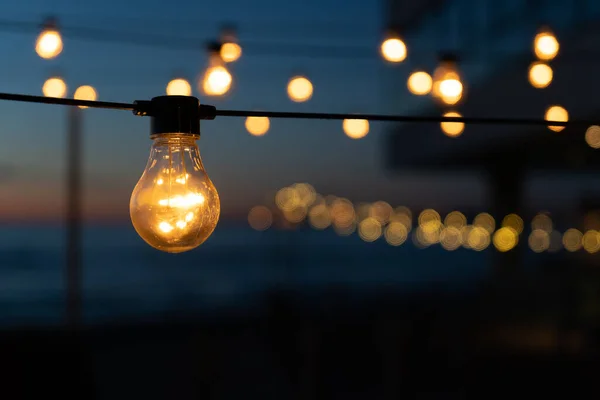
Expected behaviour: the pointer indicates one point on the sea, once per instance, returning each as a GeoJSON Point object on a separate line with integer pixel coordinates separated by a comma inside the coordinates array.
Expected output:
{"type": "Point", "coordinates": [124, 278]}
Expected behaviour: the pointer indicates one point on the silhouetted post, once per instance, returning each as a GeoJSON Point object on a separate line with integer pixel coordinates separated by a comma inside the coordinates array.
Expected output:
{"type": "Point", "coordinates": [73, 218]}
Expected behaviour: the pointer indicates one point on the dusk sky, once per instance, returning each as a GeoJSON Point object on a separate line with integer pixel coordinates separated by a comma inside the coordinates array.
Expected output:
{"type": "Point", "coordinates": [244, 169]}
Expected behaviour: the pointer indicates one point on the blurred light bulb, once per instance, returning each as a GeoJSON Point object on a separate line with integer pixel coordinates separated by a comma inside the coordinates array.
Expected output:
{"type": "Point", "coordinates": [420, 83]}
{"type": "Point", "coordinates": [393, 50]}
{"type": "Point", "coordinates": [174, 206]}
{"type": "Point", "coordinates": [452, 129]}
{"type": "Point", "coordinates": [356, 128]}
{"type": "Point", "coordinates": [592, 136]}
{"type": "Point", "coordinates": [540, 75]}
{"type": "Point", "coordinates": [49, 44]}
{"type": "Point", "coordinates": [556, 113]}
{"type": "Point", "coordinates": [217, 81]}
{"type": "Point", "coordinates": [546, 45]}
{"type": "Point", "coordinates": [54, 87]}
{"type": "Point", "coordinates": [179, 87]}
{"type": "Point", "coordinates": [300, 89]}
{"type": "Point", "coordinates": [230, 52]}
{"type": "Point", "coordinates": [447, 83]}
{"type": "Point", "coordinates": [257, 126]}
{"type": "Point", "coordinates": [85, 93]}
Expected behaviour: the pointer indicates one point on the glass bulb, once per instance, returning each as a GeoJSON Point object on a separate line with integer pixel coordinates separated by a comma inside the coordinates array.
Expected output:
{"type": "Point", "coordinates": [174, 206]}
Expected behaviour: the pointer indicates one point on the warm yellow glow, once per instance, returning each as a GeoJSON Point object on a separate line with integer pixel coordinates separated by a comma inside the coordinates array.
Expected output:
{"type": "Point", "coordinates": [49, 44]}
{"type": "Point", "coordinates": [430, 222]}
{"type": "Point", "coordinates": [478, 238]}
{"type": "Point", "coordinates": [296, 214]}
{"type": "Point", "coordinates": [318, 217]}
{"type": "Point", "coordinates": [55, 87]}
{"type": "Point", "coordinates": [556, 113]}
{"type": "Point", "coordinates": [287, 199]}
{"type": "Point", "coordinates": [393, 50]}
{"type": "Point", "coordinates": [591, 241]}
{"type": "Point", "coordinates": [300, 89]}
{"type": "Point", "coordinates": [540, 75]}
{"type": "Point", "coordinates": [217, 81]}
{"type": "Point", "coordinates": [447, 83]}
{"type": "Point", "coordinates": [369, 230]}
{"type": "Point", "coordinates": [307, 195]}
{"type": "Point", "coordinates": [485, 221]}
{"type": "Point", "coordinates": [451, 90]}
{"type": "Point", "coordinates": [230, 52]}
{"type": "Point", "coordinates": [513, 221]}
{"type": "Point", "coordinates": [402, 215]}
{"type": "Point", "coordinates": [174, 206]}
{"type": "Point", "coordinates": [356, 128]}
{"type": "Point", "coordinates": [179, 87]}
{"type": "Point", "coordinates": [539, 240]}
{"type": "Point", "coordinates": [452, 129]}
{"type": "Point", "coordinates": [260, 218]}
{"type": "Point", "coordinates": [592, 136]}
{"type": "Point", "coordinates": [542, 222]}
{"type": "Point", "coordinates": [505, 239]}
{"type": "Point", "coordinates": [396, 233]}
{"type": "Point", "coordinates": [85, 93]}
{"type": "Point", "coordinates": [573, 240]}
{"type": "Point", "coordinates": [451, 238]}
{"type": "Point", "coordinates": [546, 45]}
{"type": "Point", "coordinates": [257, 126]}
{"type": "Point", "coordinates": [420, 83]}
{"type": "Point", "coordinates": [342, 213]}
{"type": "Point", "coordinates": [455, 219]}
{"type": "Point", "coordinates": [381, 211]}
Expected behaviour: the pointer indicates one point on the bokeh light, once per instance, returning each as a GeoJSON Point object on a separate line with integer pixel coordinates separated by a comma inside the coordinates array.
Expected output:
{"type": "Point", "coordinates": [505, 239]}
{"type": "Point", "coordinates": [230, 52]}
{"type": "Point", "coordinates": [342, 213]}
{"type": "Point", "coordinates": [393, 49]}
{"type": "Point", "coordinates": [452, 129]}
{"type": "Point", "coordinates": [556, 113]}
{"type": "Point", "coordinates": [300, 89]}
{"type": "Point", "coordinates": [296, 215]}
{"type": "Point", "coordinates": [55, 87]}
{"type": "Point", "coordinates": [402, 215]}
{"type": "Point", "coordinates": [447, 83]}
{"type": "Point", "coordinates": [179, 87]}
{"type": "Point", "coordinates": [369, 230]}
{"type": "Point", "coordinates": [420, 83]}
{"type": "Point", "coordinates": [396, 233]}
{"type": "Point", "coordinates": [257, 126]}
{"type": "Point", "coordinates": [478, 238]}
{"type": "Point", "coordinates": [381, 211]}
{"type": "Point", "coordinates": [455, 219]}
{"type": "Point", "coordinates": [356, 128]}
{"type": "Point", "coordinates": [546, 45]}
{"type": "Point", "coordinates": [318, 217]}
{"type": "Point", "coordinates": [591, 241]}
{"type": "Point", "coordinates": [85, 92]}
{"type": "Point", "coordinates": [217, 81]}
{"type": "Point", "coordinates": [540, 75]}
{"type": "Point", "coordinates": [306, 193]}
{"type": "Point", "coordinates": [430, 222]}
{"type": "Point", "coordinates": [485, 221]}
{"type": "Point", "coordinates": [592, 136]}
{"type": "Point", "coordinates": [451, 238]}
{"type": "Point", "coordinates": [539, 240]}
{"type": "Point", "coordinates": [573, 240]}
{"type": "Point", "coordinates": [287, 199]}
{"type": "Point", "coordinates": [260, 218]}
{"type": "Point", "coordinates": [49, 44]}
{"type": "Point", "coordinates": [515, 222]}
{"type": "Point", "coordinates": [542, 222]}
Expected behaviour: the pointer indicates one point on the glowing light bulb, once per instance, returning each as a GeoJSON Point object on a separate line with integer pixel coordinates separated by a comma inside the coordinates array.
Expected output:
{"type": "Point", "coordinates": [257, 126]}
{"type": "Point", "coordinates": [356, 128]}
{"type": "Point", "coordinates": [85, 93]}
{"type": "Point", "coordinates": [231, 52]}
{"type": "Point", "coordinates": [540, 75]}
{"type": "Point", "coordinates": [217, 81]}
{"type": "Point", "coordinates": [393, 49]}
{"type": "Point", "coordinates": [452, 129]}
{"type": "Point", "coordinates": [175, 206]}
{"type": "Point", "coordinates": [545, 45]}
{"type": "Point", "coordinates": [54, 87]}
{"type": "Point", "coordinates": [179, 87]}
{"type": "Point", "coordinates": [420, 83]}
{"type": "Point", "coordinates": [447, 84]}
{"type": "Point", "coordinates": [556, 113]}
{"type": "Point", "coordinates": [300, 89]}
{"type": "Point", "coordinates": [49, 43]}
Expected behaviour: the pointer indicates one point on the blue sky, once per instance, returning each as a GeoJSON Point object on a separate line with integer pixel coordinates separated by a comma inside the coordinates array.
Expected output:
{"type": "Point", "coordinates": [245, 169]}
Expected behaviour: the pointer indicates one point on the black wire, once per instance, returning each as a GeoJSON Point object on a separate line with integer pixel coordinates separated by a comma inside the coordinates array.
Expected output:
{"type": "Point", "coordinates": [68, 102]}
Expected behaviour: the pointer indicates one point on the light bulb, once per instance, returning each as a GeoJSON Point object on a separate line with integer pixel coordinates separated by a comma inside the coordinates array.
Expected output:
{"type": "Point", "coordinates": [393, 50]}
{"type": "Point", "coordinates": [540, 75]}
{"type": "Point", "coordinates": [179, 87]}
{"type": "Point", "coordinates": [545, 45]}
{"type": "Point", "coordinates": [217, 81]}
{"type": "Point", "coordinates": [300, 89]}
{"type": "Point", "coordinates": [55, 87]}
{"type": "Point", "coordinates": [175, 206]}
{"type": "Point", "coordinates": [447, 83]}
{"type": "Point", "coordinates": [420, 83]}
{"type": "Point", "coordinates": [85, 92]}
{"type": "Point", "coordinates": [556, 113]}
{"type": "Point", "coordinates": [49, 43]}
{"type": "Point", "coordinates": [452, 129]}
{"type": "Point", "coordinates": [257, 126]}
{"type": "Point", "coordinates": [231, 52]}
{"type": "Point", "coordinates": [356, 128]}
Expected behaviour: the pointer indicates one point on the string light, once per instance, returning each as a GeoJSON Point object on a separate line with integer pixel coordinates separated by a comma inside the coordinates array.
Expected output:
{"type": "Point", "coordinates": [216, 80]}
{"type": "Point", "coordinates": [447, 84]}
{"type": "Point", "coordinates": [85, 92]}
{"type": "Point", "coordinates": [356, 128]}
{"type": "Point", "coordinates": [179, 87]}
{"type": "Point", "coordinates": [546, 45]}
{"type": "Point", "coordinates": [230, 50]}
{"type": "Point", "coordinates": [55, 87]}
{"type": "Point", "coordinates": [393, 48]}
{"type": "Point", "coordinates": [300, 89]}
{"type": "Point", "coordinates": [420, 83]}
{"type": "Point", "coordinates": [556, 113]}
{"type": "Point", "coordinates": [174, 207]}
{"type": "Point", "coordinates": [452, 129]}
{"type": "Point", "coordinates": [257, 126]}
{"type": "Point", "coordinates": [540, 75]}
{"type": "Point", "coordinates": [49, 42]}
